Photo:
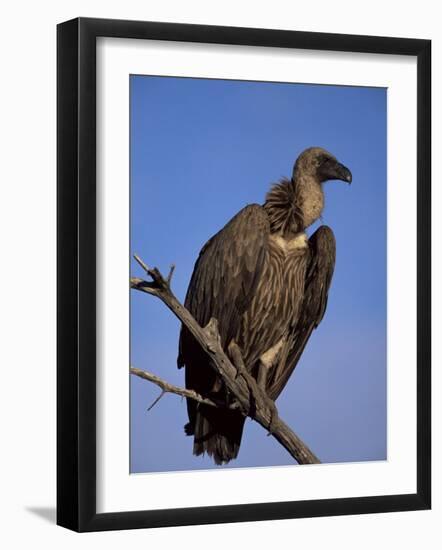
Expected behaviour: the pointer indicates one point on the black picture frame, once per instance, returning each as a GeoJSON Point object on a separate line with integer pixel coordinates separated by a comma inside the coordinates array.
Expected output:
{"type": "Point", "coordinates": [76, 273]}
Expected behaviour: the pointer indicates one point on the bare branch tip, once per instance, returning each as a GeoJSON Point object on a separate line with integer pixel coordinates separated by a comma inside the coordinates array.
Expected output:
{"type": "Point", "coordinates": [156, 400]}
{"type": "Point", "coordinates": [142, 264]}
{"type": "Point", "coordinates": [169, 277]}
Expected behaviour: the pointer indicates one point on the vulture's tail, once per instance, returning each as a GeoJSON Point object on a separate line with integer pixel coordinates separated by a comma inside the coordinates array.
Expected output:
{"type": "Point", "coordinates": [216, 432]}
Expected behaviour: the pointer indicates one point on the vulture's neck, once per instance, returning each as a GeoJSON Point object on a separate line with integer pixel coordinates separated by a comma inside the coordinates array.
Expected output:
{"type": "Point", "coordinates": [293, 205]}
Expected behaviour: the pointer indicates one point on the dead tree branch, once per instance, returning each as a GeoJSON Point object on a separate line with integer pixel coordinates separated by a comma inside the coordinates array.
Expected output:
{"type": "Point", "coordinates": [251, 400]}
{"type": "Point", "coordinates": [166, 387]}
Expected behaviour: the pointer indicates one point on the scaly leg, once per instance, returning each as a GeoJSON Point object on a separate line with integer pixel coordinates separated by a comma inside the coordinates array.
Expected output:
{"type": "Point", "coordinates": [238, 361]}
{"type": "Point", "coordinates": [266, 362]}
{"type": "Point", "coordinates": [256, 391]}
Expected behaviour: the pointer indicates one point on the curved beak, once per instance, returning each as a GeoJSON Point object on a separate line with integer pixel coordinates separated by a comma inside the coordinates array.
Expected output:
{"type": "Point", "coordinates": [343, 173]}
{"type": "Point", "coordinates": [334, 170]}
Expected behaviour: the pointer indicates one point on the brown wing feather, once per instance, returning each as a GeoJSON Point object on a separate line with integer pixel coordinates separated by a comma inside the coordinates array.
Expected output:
{"type": "Point", "coordinates": [227, 271]}
{"type": "Point", "coordinates": [320, 270]}
{"type": "Point", "coordinates": [223, 284]}
{"type": "Point", "coordinates": [276, 303]}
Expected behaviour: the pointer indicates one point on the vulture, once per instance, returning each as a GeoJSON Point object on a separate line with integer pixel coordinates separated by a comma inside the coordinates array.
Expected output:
{"type": "Point", "coordinates": [267, 285]}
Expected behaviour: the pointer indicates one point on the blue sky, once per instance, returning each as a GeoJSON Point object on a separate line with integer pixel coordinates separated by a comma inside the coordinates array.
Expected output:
{"type": "Point", "coordinates": [200, 151]}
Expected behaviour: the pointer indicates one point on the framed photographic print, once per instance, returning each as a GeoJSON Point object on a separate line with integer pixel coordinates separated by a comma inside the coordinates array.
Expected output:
{"type": "Point", "coordinates": [243, 274]}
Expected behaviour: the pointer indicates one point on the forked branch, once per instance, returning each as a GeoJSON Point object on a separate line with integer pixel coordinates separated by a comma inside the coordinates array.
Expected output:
{"type": "Point", "coordinates": [166, 387]}
{"type": "Point", "coordinates": [249, 398]}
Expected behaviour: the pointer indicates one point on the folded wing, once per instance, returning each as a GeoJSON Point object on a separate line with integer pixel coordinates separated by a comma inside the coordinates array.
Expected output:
{"type": "Point", "coordinates": [319, 274]}
{"type": "Point", "coordinates": [227, 272]}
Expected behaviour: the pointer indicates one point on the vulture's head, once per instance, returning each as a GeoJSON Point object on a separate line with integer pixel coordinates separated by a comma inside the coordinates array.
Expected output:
{"type": "Point", "coordinates": [321, 165]}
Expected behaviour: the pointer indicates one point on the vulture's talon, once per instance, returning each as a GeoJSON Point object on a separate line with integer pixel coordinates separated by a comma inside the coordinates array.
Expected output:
{"type": "Point", "coordinates": [274, 416]}
{"type": "Point", "coordinates": [255, 395]}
